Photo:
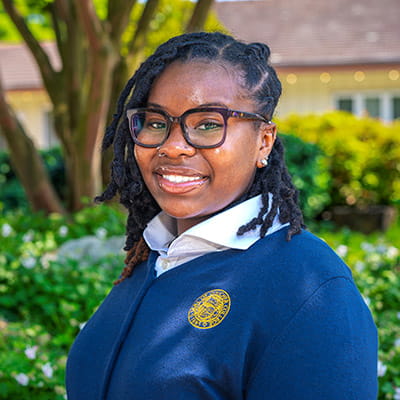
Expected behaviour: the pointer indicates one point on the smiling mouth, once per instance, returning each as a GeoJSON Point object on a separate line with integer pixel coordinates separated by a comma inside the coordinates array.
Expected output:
{"type": "Point", "coordinates": [180, 184]}
{"type": "Point", "coordinates": [181, 178]}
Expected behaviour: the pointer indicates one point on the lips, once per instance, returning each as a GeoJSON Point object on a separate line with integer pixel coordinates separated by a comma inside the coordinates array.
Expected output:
{"type": "Point", "coordinates": [179, 181]}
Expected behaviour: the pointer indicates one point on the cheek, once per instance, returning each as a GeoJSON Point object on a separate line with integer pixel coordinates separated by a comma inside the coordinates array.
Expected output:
{"type": "Point", "coordinates": [233, 168]}
{"type": "Point", "coordinates": [143, 159]}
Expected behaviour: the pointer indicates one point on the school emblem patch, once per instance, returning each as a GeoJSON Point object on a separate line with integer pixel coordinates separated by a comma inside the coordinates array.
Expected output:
{"type": "Point", "coordinates": [209, 309]}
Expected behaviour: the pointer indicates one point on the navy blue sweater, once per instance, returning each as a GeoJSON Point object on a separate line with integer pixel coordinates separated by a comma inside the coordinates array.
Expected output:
{"type": "Point", "coordinates": [279, 321]}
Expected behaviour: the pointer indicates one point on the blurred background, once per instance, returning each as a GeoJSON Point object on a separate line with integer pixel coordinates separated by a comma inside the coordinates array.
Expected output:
{"type": "Point", "coordinates": [63, 64]}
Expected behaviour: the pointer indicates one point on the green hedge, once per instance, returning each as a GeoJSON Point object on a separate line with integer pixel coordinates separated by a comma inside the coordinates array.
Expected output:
{"type": "Point", "coordinates": [12, 195]}
{"type": "Point", "coordinates": [44, 299]}
{"type": "Point", "coordinates": [307, 164]}
{"type": "Point", "coordinates": [362, 155]}
{"type": "Point", "coordinates": [375, 262]}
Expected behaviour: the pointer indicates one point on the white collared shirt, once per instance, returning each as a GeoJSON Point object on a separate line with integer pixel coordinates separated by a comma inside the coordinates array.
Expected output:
{"type": "Point", "coordinates": [217, 233]}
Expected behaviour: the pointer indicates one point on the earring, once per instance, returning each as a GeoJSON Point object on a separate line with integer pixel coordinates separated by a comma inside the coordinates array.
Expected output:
{"type": "Point", "coordinates": [264, 161]}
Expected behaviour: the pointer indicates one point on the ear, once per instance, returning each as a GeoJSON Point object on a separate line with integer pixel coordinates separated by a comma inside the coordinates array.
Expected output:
{"type": "Point", "coordinates": [267, 132]}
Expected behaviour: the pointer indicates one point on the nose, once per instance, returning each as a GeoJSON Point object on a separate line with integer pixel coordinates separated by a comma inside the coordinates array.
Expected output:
{"type": "Point", "coordinates": [176, 145]}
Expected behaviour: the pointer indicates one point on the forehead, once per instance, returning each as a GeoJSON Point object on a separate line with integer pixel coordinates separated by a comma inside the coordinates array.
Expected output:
{"type": "Point", "coordinates": [197, 83]}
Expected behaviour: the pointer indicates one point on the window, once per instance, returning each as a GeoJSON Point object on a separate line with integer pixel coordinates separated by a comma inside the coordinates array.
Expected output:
{"type": "Point", "coordinates": [373, 107]}
{"type": "Point", "coordinates": [396, 107]}
{"type": "Point", "coordinates": [50, 138]}
{"type": "Point", "coordinates": [382, 105]}
{"type": "Point", "coordinates": [345, 105]}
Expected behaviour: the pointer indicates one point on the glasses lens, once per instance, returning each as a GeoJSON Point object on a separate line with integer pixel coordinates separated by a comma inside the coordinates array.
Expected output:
{"type": "Point", "coordinates": [148, 127]}
{"type": "Point", "coordinates": [205, 128]}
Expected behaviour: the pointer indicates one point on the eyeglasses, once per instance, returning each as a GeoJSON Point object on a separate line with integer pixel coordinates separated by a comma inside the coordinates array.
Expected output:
{"type": "Point", "coordinates": [203, 128]}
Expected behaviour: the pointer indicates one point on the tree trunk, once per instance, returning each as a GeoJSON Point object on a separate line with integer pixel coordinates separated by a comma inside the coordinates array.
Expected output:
{"type": "Point", "coordinates": [27, 163]}
{"type": "Point", "coordinates": [89, 48]}
{"type": "Point", "coordinates": [199, 15]}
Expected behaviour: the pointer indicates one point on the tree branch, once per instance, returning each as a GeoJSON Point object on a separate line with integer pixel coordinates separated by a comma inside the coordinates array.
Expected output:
{"type": "Point", "coordinates": [199, 15]}
{"type": "Point", "coordinates": [139, 40]}
{"type": "Point", "coordinates": [27, 163]}
{"type": "Point", "coordinates": [90, 23]}
{"type": "Point", "coordinates": [118, 14]}
{"type": "Point", "coordinates": [41, 57]}
{"type": "Point", "coordinates": [57, 21]}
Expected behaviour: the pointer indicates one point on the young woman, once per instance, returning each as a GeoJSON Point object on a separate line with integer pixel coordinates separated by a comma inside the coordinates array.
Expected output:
{"type": "Point", "coordinates": [224, 294]}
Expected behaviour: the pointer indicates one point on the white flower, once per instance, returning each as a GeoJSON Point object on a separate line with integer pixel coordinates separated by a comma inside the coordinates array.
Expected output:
{"type": "Point", "coordinates": [367, 247]}
{"type": "Point", "coordinates": [359, 266]}
{"type": "Point", "coordinates": [101, 233]}
{"type": "Point", "coordinates": [47, 370]}
{"type": "Point", "coordinates": [28, 262]}
{"type": "Point", "coordinates": [381, 368]}
{"type": "Point", "coordinates": [28, 237]}
{"type": "Point", "coordinates": [342, 250]}
{"type": "Point", "coordinates": [396, 393]}
{"type": "Point", "coordinates": [392, 252]}
{"type": "Point", "coordinates": [22, 379]}
{"type": "Point", "coordinates": [6, 230]}
{"type": "Point", "coordinates": [63, 230]}
{"type": "Point", "coordinates": [381, 249]}
{"type": "Point", "coordinates": [374, 258]}
{"type": "Point", "coordinates": [397, 342]}
{"type": "Point", "coordinates": [30, 352]}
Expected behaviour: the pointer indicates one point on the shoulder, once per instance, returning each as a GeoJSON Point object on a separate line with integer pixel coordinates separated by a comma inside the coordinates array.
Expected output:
{"type": "Point", "coordinates": [305, 254]}
{"type": "Point", "coordinates": [287, 273]}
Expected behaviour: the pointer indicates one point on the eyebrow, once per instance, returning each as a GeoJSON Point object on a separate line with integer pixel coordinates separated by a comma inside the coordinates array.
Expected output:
{"type": "Point", "coordinates": [155, 105]}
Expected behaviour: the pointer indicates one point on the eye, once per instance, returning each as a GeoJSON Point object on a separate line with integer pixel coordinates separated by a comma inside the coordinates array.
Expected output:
{"type": "Point", "coordinates": [155, 125]}
{"type": "Point", "coordinates": [209, 126]}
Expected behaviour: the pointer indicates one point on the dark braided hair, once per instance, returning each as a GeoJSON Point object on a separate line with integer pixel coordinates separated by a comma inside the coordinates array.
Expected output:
{"type": "Point", "coordinates": [251, 63]}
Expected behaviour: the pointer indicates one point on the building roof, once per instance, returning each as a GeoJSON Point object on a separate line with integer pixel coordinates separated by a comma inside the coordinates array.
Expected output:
{"type": "Point", "coordinates": [18, 69]}
{"type": "Point", "coordinates": [299, 33]}
{"type": "Point", "coordinates": [318, 32]}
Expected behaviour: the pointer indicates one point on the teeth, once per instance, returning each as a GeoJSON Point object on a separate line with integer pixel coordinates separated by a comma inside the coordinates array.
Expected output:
{"type": "Point", "coordinates": [180, 178]}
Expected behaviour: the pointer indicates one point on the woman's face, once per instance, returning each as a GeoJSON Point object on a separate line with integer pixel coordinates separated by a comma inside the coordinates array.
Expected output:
{"type": "Point", "coordinates": [191, 184]}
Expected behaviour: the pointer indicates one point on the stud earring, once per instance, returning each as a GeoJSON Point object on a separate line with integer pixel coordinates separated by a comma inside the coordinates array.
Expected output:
{"type": "Point", "coordinates": [264, 161]}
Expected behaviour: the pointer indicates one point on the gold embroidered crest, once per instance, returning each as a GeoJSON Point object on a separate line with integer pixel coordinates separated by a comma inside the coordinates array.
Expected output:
{"type": "Point", "coordinates": [209, 309]}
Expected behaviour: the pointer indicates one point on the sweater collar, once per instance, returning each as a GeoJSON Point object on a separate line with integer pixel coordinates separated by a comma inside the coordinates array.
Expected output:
{"type": "Point", "coordinates": [220, 229]}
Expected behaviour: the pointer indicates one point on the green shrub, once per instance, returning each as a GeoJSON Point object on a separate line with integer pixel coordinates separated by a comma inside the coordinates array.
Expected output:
{"type": "Point", "coordinates": [12, 194]}
{"type": "Point", "coordinates": [32, 366]}
{"type": "Point", "coordinates": [45, 300]}
{"type": "Point", "coordinates": [307, 165]}
{"type": "Point", "coordinates": [363, 155]}
{"type": "Point", "coordinates": [375, 262]}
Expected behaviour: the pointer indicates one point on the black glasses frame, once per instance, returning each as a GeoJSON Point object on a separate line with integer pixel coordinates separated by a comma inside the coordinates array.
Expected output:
{"type": "Point", "coordinates": [225, 112]}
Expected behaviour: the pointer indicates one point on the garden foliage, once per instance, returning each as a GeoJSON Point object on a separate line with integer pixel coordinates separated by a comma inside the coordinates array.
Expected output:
{"type": "Point", "coordinates": [44, 299]}
{"type": "Point", "coordinates": [362, 155]}
{"type": "Point", "coordinates": [12, 195]}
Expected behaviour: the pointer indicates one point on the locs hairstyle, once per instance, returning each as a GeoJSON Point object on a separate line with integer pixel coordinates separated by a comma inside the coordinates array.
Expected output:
{"type": "Point", "coordinates": [255, 74]}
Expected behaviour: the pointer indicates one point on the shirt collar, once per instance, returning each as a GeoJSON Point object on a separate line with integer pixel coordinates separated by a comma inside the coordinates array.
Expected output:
{"type": "Point", "coordinates": [220, 229]}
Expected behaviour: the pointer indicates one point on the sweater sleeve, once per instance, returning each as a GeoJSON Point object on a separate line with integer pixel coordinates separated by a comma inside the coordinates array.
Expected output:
{"type": "Point", "coordinates": [327, 351]}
